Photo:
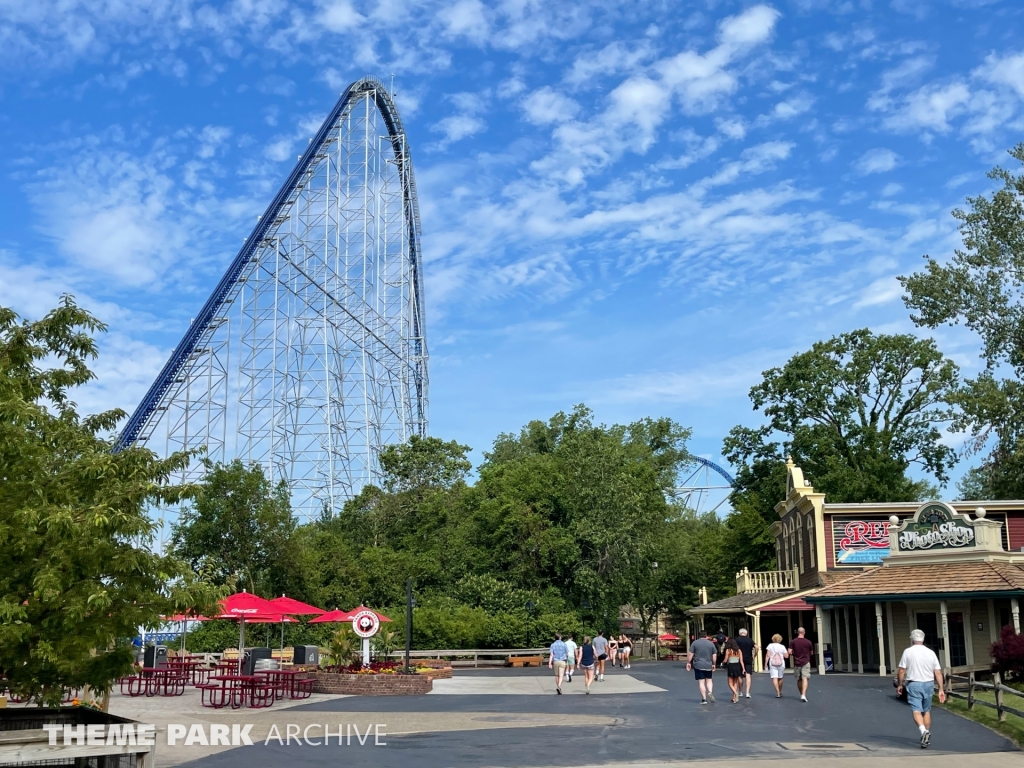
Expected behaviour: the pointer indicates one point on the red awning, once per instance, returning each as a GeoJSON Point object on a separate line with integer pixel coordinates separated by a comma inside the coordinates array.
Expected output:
{"type": "Point", "coordinates": [788, 604]}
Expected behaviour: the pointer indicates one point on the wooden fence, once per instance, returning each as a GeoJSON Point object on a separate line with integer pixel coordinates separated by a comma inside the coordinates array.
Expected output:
{"type": "Point", "coordinates": [966, 682]}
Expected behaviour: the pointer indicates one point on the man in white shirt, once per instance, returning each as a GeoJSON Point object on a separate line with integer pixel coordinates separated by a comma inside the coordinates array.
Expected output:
{"type": "Point", "coordinates": [920, 670]}
{"type": "Point", "coordinates": [570, 646]}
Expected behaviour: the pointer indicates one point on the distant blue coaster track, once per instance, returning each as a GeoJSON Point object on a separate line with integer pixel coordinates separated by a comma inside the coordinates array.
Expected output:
{"type": "Point", "coordinates": [711, 465]}
{"type": "Point", "coordinates": [171, 370]}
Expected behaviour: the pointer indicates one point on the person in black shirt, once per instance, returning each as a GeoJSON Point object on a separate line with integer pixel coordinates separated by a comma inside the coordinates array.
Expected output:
{"type": "Point", "coordinates": [749, 649]}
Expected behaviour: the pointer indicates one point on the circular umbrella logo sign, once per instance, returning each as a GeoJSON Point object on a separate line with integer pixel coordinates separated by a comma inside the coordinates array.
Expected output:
{"type": "Point", "coordinates": [365, 623]}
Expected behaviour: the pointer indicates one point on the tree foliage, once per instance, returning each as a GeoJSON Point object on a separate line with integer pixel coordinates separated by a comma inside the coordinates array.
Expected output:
{"type": "Point", "coordinates": [77, 572]}
{"type": "Point", "coordinates": [981, 287]}
{"type": "Point", "coordinates": [238, 527]}
{"type": "Point", "coordinates": [855, 412]}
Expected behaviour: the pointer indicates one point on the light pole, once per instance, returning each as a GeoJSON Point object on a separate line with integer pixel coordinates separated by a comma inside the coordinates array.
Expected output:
{"type": "Point", "coordinates": [529, 621]}
{"type": "Point", "coordinates": [657, 611]}
{"type": "Point", "coordinates": [409, 603]}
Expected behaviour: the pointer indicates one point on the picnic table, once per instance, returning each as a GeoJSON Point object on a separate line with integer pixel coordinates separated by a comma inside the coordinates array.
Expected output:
{"type": "Point", "coordinates": [237, 691]}
{"type": "Point", "coordinates": [293, 682]}
{"type": "Point", "coordinates": [154, 681]}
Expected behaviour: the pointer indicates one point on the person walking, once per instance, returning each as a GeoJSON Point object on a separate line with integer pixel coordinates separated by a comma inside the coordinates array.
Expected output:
{"type": "Point", "coordinates": [802, 649]}
{"type": "Point", "coordinates": [586, 659]}
{"type": "Point", "coordinates": [701, 658]}
{"type": "Point", "coordinates": [601, 649]}
{"type": "Point", "coordinates": [557, 661]}
{"type": "Point", "coordinates": [749, 650]}
{"type": "Point", "coordinates": [613, 649]}
{"type": "Point", "coordinates": [625, 650]}
{"type": "Point", "coordinates": [570, 662]}
{"type": "Point", "coordinates": [919, 671]}
{"type": "Point", "coordinates": [734, 667]}
{"type": "Point", "coordinates": [775, 656]}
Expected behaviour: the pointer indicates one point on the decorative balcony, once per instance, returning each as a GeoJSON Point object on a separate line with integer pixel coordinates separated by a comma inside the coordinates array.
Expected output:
{"type": "Point", "coordinates": [767, 581]}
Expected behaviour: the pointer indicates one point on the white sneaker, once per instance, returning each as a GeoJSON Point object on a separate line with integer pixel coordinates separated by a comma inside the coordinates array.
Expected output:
{"type": "Point", "coordinates": [748, 695]}
{"type": "Point", "coordinates": [803, 698]}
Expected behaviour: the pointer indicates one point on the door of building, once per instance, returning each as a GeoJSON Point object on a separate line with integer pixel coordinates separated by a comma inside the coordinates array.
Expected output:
{"type": "Point", "coordinates": [957, 640]}
{"type": "Point", "coordinates": [928, 622]}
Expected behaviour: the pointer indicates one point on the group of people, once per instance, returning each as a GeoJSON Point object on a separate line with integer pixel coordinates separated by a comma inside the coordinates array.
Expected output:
{"type": "Point", "coordinates": [919, 670]}
{"type": "Point", "coordinates": [566, 657]}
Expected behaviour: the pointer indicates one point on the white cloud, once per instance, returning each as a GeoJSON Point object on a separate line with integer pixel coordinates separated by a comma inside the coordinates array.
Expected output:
{"type": "Point", "coordinates": [1007, 70]}
{"type": "Point", "coordinates": [466, 18]}
{"type": "Point", "coordinates": [340, 16]}
{"type": "Point", "coordinates": [459, 127]}
{"type": "Point", "coordinates": [877, 161]}
{"type": "Point", "coordinates": [881, 291]}
{"type": "Point", "coordinates": [546, 105]}
{"type": "Point", "coordinates": [614, 58]}
{"type": "Point", "coordinates": [931, 108]}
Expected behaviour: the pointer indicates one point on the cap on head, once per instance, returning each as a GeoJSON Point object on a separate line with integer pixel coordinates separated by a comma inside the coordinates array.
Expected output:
{"type": "Point", "coordinates": [917, 636]}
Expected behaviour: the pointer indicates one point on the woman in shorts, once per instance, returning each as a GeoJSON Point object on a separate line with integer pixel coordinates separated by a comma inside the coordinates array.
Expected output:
{"type": "Point", "coordinates": [625, 649]}
{"type": "Point", "coordinates": [613, 649]}
{"type": "Point", "coordinates": [775, 656]}
{"type": "Point", "coordinates": [585, 660]}
{"type": "Point", "coordinates": [733, 659]}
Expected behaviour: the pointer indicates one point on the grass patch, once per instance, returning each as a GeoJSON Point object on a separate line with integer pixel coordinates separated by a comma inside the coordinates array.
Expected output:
{"type": "Point", "coordinates": [1012, 728]}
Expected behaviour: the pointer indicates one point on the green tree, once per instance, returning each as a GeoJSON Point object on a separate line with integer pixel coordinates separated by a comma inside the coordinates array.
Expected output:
{"type": "Point", "coordinates": [856, 412]}
{"type": "Point", "coordinates": [239, 526]}
{"type": "Point", "coordinates": [981, 287]}
{"type": "Point", "coordinates": [78, 575]}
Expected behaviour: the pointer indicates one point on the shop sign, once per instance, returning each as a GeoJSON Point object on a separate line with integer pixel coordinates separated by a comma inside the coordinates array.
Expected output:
{"type": "Point", "coordinates": [935, 526]}
{"type": "Point", "coordinates": [858, 542]}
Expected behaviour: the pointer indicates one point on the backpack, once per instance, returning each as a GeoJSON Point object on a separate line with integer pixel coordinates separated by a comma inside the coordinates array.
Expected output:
{"type": "Point", "coordinates": [777, 659]}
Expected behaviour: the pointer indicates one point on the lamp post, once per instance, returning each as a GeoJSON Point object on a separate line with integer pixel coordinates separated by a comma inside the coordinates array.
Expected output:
{"type": "Point", "coordinates": [409, 603]}
{"type": "Point", "coordinates": [529, 621]}
{"type": "Point", "coordinates": [657, 611]}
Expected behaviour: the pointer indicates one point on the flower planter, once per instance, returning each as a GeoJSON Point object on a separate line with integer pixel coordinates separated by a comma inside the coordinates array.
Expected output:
{"type": "Point", "coordinates": [372, 685]}
{"type": "Point", "coordinates": [23, 741]}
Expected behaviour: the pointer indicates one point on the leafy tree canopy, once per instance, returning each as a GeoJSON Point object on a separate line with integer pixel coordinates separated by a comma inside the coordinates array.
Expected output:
{"type": "Point", "coordinates": [855, 412]}
{"type": "Point", "coordinates": [982, 287]}
{"type": "Point", "coordinates": [78, 575]}
{"type": "Point", "coordinates": [238, 526]}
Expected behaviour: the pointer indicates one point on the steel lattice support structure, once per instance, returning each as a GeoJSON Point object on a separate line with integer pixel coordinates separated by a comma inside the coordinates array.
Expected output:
{"type": "Point", "coordinates": [321, 314]}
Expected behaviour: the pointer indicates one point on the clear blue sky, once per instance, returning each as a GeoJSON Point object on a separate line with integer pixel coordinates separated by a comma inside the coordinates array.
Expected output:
{"type": "Point", "coordinates": [637, 205]}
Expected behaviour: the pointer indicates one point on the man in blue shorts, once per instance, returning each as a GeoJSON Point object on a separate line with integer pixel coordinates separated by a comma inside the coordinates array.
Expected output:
{"type": "Point", "coordinates": [920, 670]}
{"type": "Point", "coordinates": [701, 658]}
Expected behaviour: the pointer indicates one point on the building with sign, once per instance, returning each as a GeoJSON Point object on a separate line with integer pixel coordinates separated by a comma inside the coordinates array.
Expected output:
{"type": "Point", "coordinates": [859, 577]}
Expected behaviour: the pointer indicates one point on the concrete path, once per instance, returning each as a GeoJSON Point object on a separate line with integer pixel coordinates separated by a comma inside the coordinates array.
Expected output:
{"type": "Point", "coordinates": [648, 718]}
{"type": "Point", "coordinates": [475, 683]}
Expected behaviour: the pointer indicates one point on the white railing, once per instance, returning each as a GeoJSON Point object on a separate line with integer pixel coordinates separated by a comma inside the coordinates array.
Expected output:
{"type": "Point", "coordinates": [767, 581]}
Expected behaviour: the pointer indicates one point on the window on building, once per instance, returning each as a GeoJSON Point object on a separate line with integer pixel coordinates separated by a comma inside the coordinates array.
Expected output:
{"type": "Point", "coordinates": [812, 541]}
{"type": "Point", "coordinates": [800, 546]}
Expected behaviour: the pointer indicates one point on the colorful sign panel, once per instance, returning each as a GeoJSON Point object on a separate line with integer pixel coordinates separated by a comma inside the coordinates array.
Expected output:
{"type": "Point", "coordinates": [860, 542]}
{"type": "Point", "coordinates": [935, 526]}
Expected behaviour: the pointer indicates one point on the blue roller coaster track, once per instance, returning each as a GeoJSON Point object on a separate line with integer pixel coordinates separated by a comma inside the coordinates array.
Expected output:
{"type": "Point", "coordinates": [175, 366]}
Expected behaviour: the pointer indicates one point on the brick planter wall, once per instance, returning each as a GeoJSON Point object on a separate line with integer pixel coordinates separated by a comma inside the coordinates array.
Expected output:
{"type": "Point", "coordinates": [373, 685]}
{"type": "Point", "coordinates": [433, 663]}
{"type": "Point", "coordinates": [438, 673]}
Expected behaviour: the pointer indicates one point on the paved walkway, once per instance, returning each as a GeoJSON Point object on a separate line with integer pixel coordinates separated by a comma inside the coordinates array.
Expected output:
{"type": "Point", "coordinates": [649, 717]}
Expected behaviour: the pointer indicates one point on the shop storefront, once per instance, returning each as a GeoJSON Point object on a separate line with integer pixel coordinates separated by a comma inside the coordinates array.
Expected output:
{"type": "Point", "coordinates": [869, 573]}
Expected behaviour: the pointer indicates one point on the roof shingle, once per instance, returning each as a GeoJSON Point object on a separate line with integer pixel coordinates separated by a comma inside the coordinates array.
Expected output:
{"type": "Point", "coordinates": [965, 578]}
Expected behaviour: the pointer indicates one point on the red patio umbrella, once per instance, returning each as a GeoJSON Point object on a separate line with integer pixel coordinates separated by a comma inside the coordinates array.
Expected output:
{"type": "Point", "coordinates": [293, 607]}
{"type": "Point", "coordinates": [667, 637]}
{"type": "Point", "coordinates": [245, 606]}
{"type": "Point", "coordinates": [184, 618]}
{"type": "Point", "coordinates": [380, 616]}
{"type": "Point", "coordinates": [332, 617]}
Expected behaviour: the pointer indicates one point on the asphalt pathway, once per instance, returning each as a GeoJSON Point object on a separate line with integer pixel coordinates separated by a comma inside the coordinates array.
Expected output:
{"type": "Point", "coordinates": [847, 716]}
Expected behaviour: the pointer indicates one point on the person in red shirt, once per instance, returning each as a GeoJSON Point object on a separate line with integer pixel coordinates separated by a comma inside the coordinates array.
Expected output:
{"type": "Point", "coordinates": [800, 648]}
